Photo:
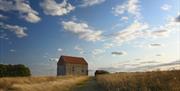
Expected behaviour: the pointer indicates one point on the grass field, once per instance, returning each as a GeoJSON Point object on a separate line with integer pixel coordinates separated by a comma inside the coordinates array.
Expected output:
{"type": "Point", "coordinates": [130, 81]}
{"type": "Point", "coordinates": [142, 81]}
{"type": "Point", "coordinates": [40, 83]}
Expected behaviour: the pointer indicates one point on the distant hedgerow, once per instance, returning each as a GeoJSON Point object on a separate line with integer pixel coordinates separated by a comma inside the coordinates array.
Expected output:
{"type": "Point", "coordinates": [14, 70]}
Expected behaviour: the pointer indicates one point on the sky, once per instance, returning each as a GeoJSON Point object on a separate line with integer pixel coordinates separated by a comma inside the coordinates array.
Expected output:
{"type": "Point", "coordinates": [112, 35]}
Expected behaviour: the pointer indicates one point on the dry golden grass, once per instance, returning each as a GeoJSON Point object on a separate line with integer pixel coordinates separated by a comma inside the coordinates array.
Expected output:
{"type": "Point", "coordinates": [40, 83]}
{"type": "Point", "coordinates": [142, 81]}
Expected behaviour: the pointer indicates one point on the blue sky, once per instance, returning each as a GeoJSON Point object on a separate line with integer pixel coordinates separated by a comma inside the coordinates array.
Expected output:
{"type": "Point", "coordinates": [115, 35]}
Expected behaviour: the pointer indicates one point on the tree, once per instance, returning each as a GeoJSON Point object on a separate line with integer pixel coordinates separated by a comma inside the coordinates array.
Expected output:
{"type": "Point", "coordinates": [14, 70]}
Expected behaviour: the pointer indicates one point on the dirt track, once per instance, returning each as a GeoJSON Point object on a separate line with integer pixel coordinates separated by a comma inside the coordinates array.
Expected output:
{"type": "Point", "coordinates": [89, 85]}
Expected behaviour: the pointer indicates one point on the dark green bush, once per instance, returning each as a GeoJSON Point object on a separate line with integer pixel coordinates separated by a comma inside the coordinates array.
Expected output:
{"type": "Point", "coordinates": [14, 70]}
{"type": "Point", "coordinates": [100, 72]}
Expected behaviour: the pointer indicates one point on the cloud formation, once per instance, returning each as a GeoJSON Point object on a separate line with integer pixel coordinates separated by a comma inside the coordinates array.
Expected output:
{"type": "Point", "coordinates": [51, 7]}
{"type": "Point", "coordinates": [130, 6]}
{"type": "Point", "coordinates": [132, 66]}
{"type": "Point", "coordinates": [23, 7]}
{"type": "Point", "coordinates": [159, 33]}
{"type": "Point", "coordinates": [3, 17]}
{"type": "Point", "coordinates": [86, 3]}
{"type": "Point", "coordinates": [133, 31]}
{"type": "Point", "coordinates": [60, 49]}
{"type": "Point", "coordinates": [166, 7]}
{"type": "Point", "coordinates": [83, 30]}
{"type": "Point", "coordinates": [96, 52]}
{"type": "Point", "coordinates": [12, 50]}
{"type": "Point", "coordinates": [18, 30]}
{"type": "Point", "coordinates": [77, 48]}
{"type": "Point", "coordinates": [172, 24]}
{"type": "Point", "coordinates": [54, 59]}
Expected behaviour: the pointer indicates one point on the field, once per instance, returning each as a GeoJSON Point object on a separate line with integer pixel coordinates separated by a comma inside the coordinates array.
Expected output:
{"type": "Point", "coordinates": [40, 83]}
{"type": "Point", "coordinates": [142, 81]}
{"type": "Point", "coordinates": [130, 81]}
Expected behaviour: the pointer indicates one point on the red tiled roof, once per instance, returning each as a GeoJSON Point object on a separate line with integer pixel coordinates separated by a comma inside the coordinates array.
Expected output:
{"type": "Point", "coordinates": [72, 60]}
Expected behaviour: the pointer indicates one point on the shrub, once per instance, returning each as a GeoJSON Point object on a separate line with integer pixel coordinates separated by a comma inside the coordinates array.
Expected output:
{"type": "Point", "coordinates": [100, 72]}
{"type": "Point", "coordinates": [14, 70]}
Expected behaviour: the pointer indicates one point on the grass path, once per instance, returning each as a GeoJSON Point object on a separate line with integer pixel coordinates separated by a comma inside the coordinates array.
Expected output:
{"type": "Point", "coordinates": [88, 85]}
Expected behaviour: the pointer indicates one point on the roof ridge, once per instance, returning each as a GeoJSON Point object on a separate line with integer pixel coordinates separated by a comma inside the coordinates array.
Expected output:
{"type": "Point", "coordinates": [72, 59]}
{"type": "Point", "coordinates": [71, 56]}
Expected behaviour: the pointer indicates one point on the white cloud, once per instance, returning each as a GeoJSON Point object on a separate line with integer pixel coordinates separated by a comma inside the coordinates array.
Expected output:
{"type": "Point", "coordinates": [32, 18]}
{"type": "Point", "coordinates": [83, 30]}
{"type": "Point", "coordinates": [54, 59]}
{"type": "Point", "coordinates": [142, 30]}
{"type": "Point", "coordinates": [60, 49]}
{"type": "Point", "coordinates": [108, 45]}
{"type": "Point", "coordinates": [3, 35]}
{"type": "Point", "coordinates": [133, 31]}
{"type": "Point", "coordinates": [18, 30]}
{"type": "Point", "coordinates": [124, 18]}
{"type": "Point", "coordinates": [142, 65]}
{"type": "Point", "coordinates": [166, 7]}
{"type": "Point", "coordinates": [51, 7]}
{"type": "Point", "coordinates": [131, 7]}
{"type": "Point", "coordinates": [172, 24]}
{"type": "Point", "coordinates": [23, 7]}
{"type": "Point", "coordinates": [91, 2]}
{"type": "Point", "coordinates": [12, 50]}
{"type": "Point", "coordinates": [159, 33]}
{"type": "Point", "coordinates": [81, 50]}
{"type": "Point", "coordinates": [3, 17]}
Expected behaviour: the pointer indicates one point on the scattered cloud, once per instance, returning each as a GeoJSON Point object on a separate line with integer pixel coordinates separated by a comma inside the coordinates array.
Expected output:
{"type": "Point", "coordinates": [54, 59]}
{"type": "Point", "coordinates": [81, 50]}
{"type": "Point", "coordinates": [130, 6]}
{"type": "Point", "coordinates": [172, 24]}
{"type": "Point", "coordinates": [166, 7]}
{"type": "Point", "coordinates": [124, 18]}
{"type": "Point", "coordinates": [23, 7]}
{"type": "Point", "coordinates": [12, 50]}
{"type": "Point", "coordinates": [86, 3]}
{"type": "Point", "coordinates": [133, 31]}
{"type": "Point", "coordinates": [51, 7]}
{"type": "Point", "coordinates": [60, 49]}
{"type": "Point", "coordinates": [96, 52]}
{"type": "Point", "coordinates": [18, 30]}
{"type": "Point", "coordinates": [46, 55]}
{"type": "Point", "coordinates": [3, 17]}
{"type": "Point", "coordinates": [162, 66]}
{"type": "Point", "coordinates": [119, 53]}
{"type": "Point", "coordinates": [132, 66]}
{"type": "Point", "coordinates": [83, 30]}
{"type": "Point", "coordinates": [31, 18]}
{"type": "Point", "coordinates": [3, 35]}
{"type": "Point", "coordinates": [108, 45]}
{"type": "Point", "coordinates": [160, 33]}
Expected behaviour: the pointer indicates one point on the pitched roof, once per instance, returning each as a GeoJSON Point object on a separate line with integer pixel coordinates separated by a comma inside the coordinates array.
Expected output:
{"type": "Point", "coordinates": [72, 60]}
